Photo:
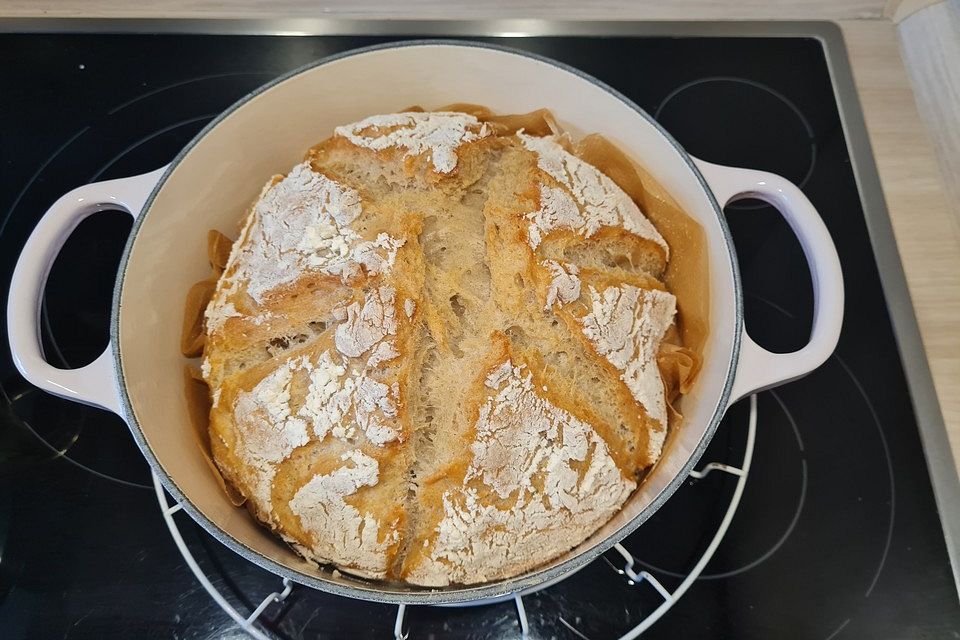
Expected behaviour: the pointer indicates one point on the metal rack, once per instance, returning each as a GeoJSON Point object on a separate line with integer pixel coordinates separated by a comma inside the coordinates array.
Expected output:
{"type": "Point", "coordinates": [636, 578]}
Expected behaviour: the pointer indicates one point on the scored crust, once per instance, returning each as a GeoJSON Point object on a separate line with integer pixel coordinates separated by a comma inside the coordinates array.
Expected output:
{"type": "Point", "coordinates": [433, 352]}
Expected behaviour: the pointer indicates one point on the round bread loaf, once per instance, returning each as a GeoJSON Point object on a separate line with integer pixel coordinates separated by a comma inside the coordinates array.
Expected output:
{"type": "Point", "coordinates": [432, 355]}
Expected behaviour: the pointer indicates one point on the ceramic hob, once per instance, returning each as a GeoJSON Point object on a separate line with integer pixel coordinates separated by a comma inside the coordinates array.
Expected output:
{"type": "Point", "coordinates": [838, 533]}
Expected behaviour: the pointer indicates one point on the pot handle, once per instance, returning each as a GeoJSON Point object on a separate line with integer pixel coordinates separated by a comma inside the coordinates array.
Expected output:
{"type": "Point", "coordinates": [758, 368]}
{"type": "Point", "coordinates": [96, 383]}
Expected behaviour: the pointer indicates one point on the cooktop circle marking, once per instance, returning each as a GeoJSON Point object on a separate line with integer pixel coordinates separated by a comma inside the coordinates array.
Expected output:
{"type": "Point", "coordinates": [798, 509]}
{"type": "Point", "coordinates": [889, 461]}
{"type": "Point", "coordinates": [838, 629]}
{"type": "Point", "coordinates": [40, 169]}
{"type": "Point", "coordinates": [61, 454]}
{"type": "Point", "coordinates": [212, 76]}
{"type": "Point", "coordinates": [147, 138]}
{"type": "Point", "coordinates": [692, 146]}
{"type": "Point", "coordinates": [883, 442]}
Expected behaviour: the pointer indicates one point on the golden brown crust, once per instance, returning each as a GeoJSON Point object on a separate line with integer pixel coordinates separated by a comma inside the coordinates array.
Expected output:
{"type": "Point", "coordinates": [396, 317]}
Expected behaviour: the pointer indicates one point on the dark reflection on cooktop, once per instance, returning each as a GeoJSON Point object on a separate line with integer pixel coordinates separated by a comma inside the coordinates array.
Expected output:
{"type": "Point", "coordinates": [837, 534]}
{"type": "Point", "coordinates": [743, 123]}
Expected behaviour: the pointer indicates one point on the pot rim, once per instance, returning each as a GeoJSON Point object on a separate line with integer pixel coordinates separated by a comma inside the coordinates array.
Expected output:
{"type": "Point", "coordinates": [425, 595]}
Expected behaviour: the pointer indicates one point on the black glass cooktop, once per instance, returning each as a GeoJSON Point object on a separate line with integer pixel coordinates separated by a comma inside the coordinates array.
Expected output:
{"type": "Point", "coordinates": [837, 535]}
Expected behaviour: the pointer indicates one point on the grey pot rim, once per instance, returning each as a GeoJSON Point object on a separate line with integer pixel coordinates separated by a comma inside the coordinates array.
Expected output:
{"type": "Point", "coordinates": [395, 593]}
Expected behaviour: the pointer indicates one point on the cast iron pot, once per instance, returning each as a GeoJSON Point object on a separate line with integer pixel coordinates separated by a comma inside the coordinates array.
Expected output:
{"type": "Point", "coordinates": [213, 180]}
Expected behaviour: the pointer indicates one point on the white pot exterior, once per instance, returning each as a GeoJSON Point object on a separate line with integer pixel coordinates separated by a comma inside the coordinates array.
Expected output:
{"type": "Point", "coordinates": [212, 182]}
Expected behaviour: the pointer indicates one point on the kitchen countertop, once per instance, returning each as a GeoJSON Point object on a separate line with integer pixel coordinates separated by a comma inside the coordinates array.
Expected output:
{"type": "Point", "coordinates": [927, 233]}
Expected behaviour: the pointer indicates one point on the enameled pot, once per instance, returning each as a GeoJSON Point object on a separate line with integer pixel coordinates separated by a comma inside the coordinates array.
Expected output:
{"type": "Point", "coordinates": [220, 172]}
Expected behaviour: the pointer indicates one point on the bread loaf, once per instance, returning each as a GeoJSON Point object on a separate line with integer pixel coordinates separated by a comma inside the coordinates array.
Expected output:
{"type": "Point", "coordinates": [432, 354]}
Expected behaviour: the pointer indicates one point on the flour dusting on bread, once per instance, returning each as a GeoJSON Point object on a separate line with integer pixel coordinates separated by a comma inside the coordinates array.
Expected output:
{"type": "Point", "coordinates": [367, 323]}
{"type": "Point", "coordinates": [268, 431]}
{"type": "Point", "coordinates": [433, 351]}
{"type": "Point", "coordinates": [589, 200]}
{"type": "Point", "coordinates": [440, 133]}
{"type": "Point", "coordinates": [328, 398]}
{"type": "Point", "coordinates": [626, 325]}
{"type": "Point", "coordinates": [554, 470]}
{"type": "Point", "coordinates": [564, 283]}
{"type": "Point", "coordinates": [299, 224]}
{"type": "Point", "coordinates": [337, 528]}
